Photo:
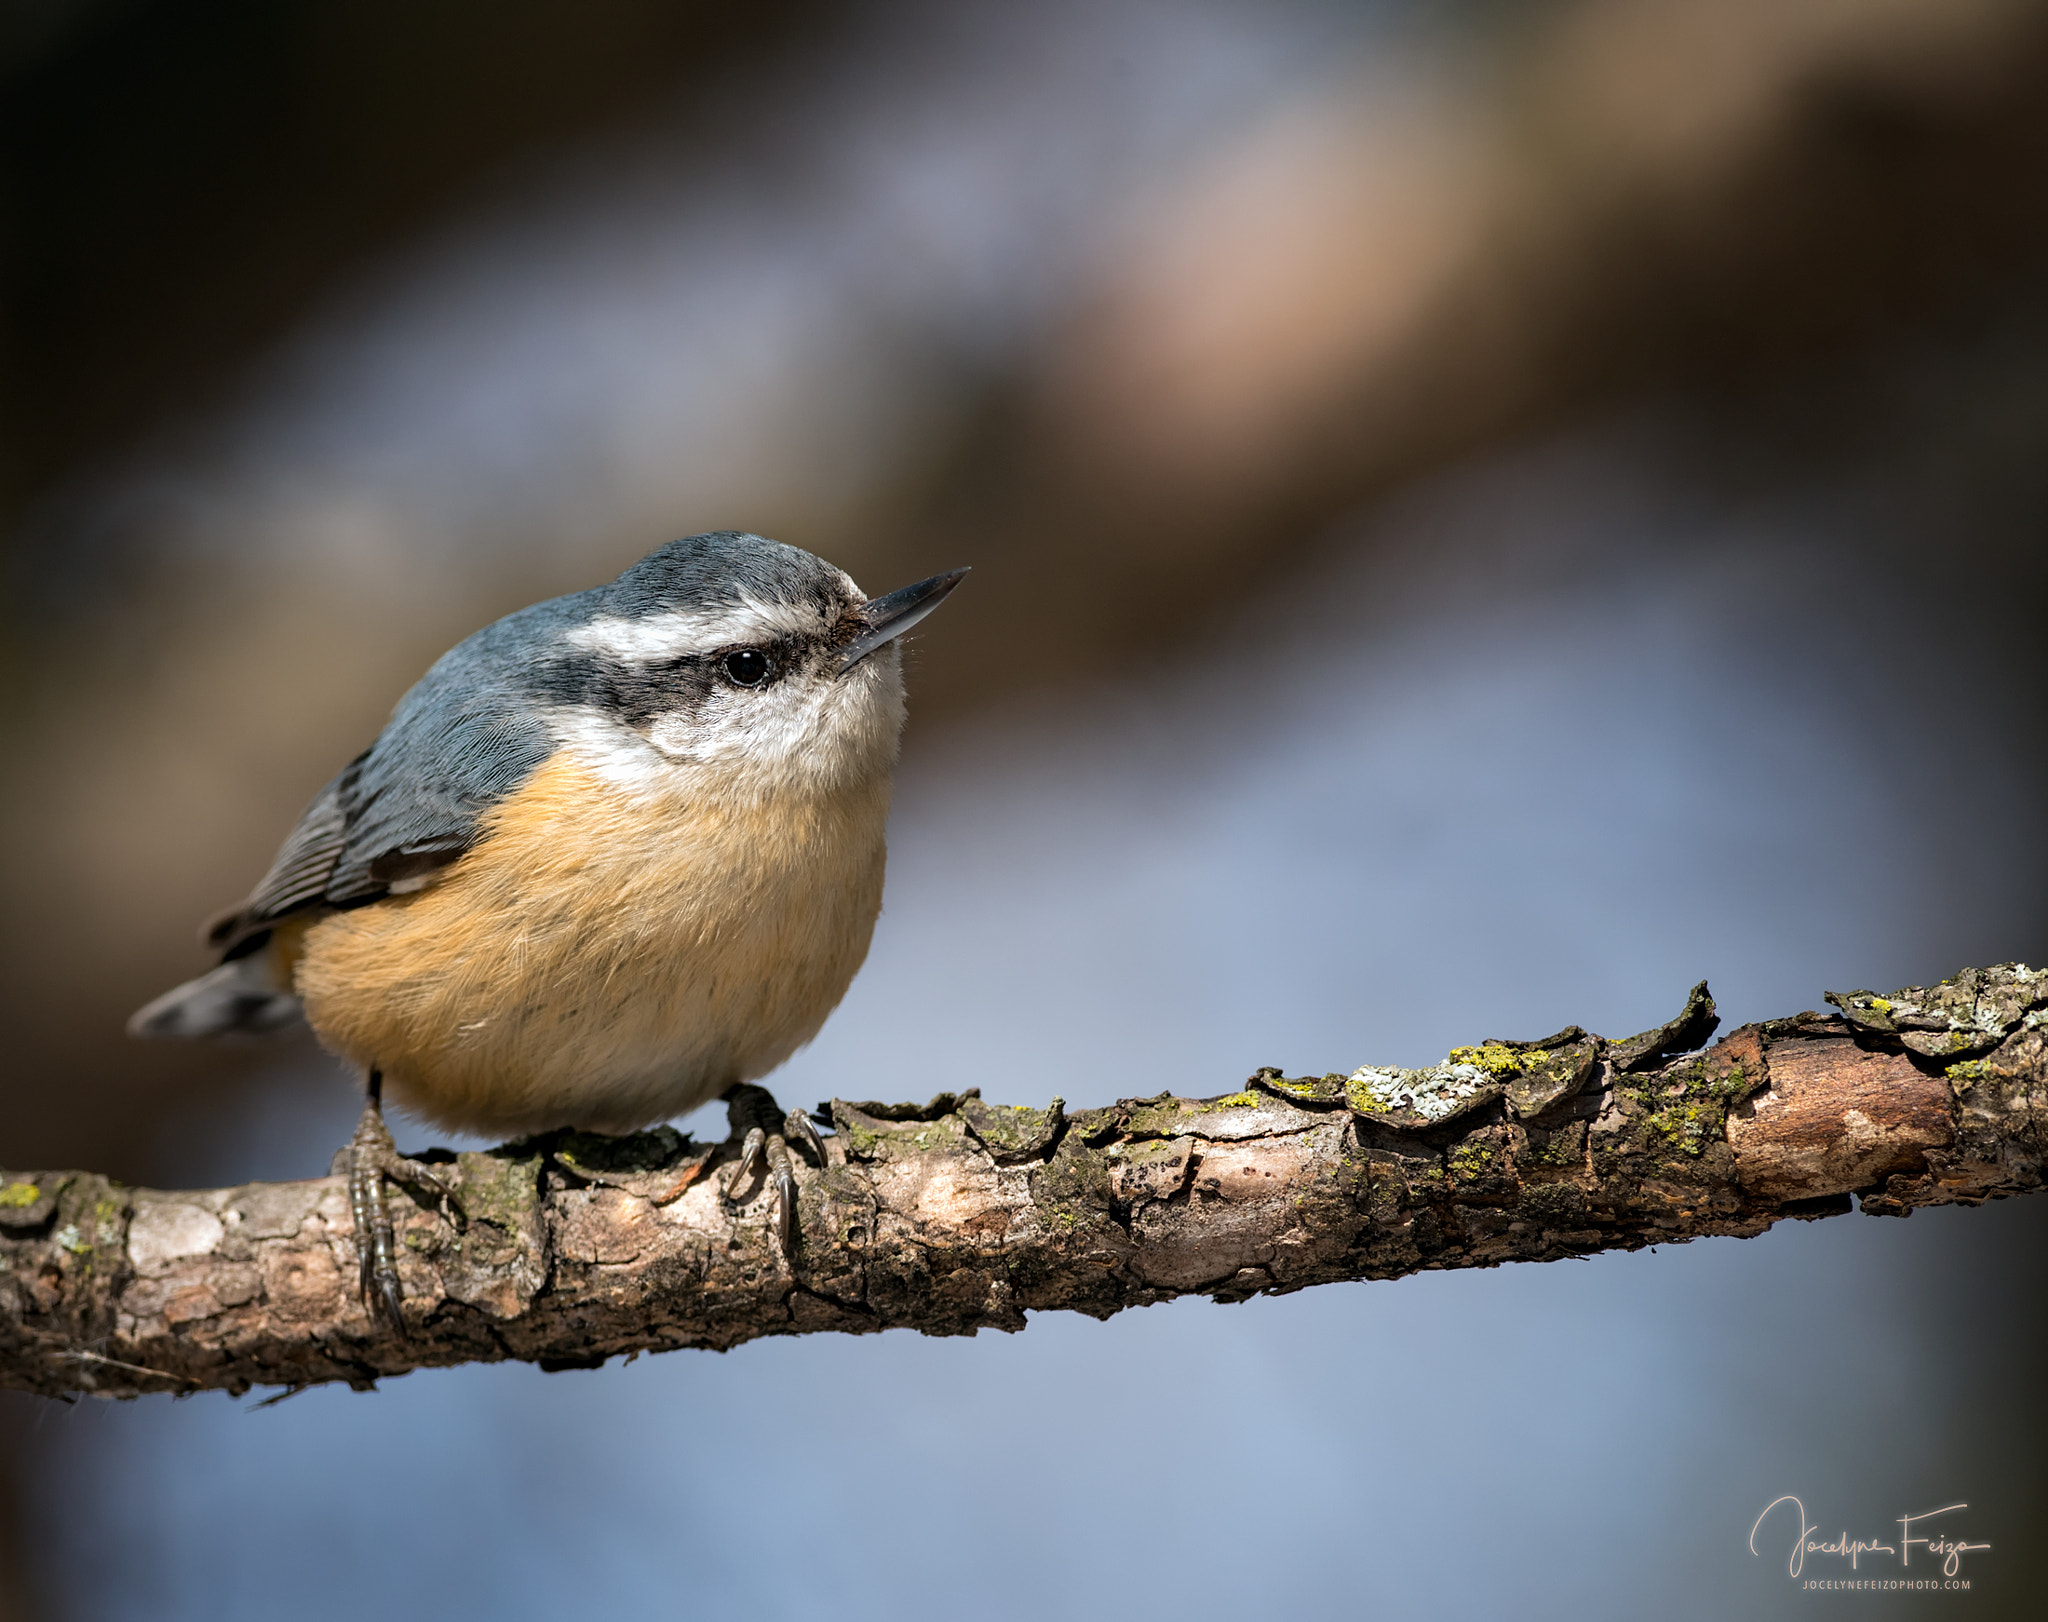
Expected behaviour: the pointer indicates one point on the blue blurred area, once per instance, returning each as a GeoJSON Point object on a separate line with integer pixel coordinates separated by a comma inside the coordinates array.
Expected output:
{"type": "Point", "coordinates": [1735, 676]}
{"type": "Point", "coordinates": [1389, 810]}
{"type": "Point", "coordinates": [1565, 1441]}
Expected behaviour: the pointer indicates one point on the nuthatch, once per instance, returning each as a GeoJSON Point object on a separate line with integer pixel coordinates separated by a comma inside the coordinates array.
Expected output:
{"type": "Point", "coordinates": [614, 856]}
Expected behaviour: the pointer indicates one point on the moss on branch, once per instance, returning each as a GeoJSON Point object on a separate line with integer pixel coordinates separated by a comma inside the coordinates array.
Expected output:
{"type": "Point", "coordinates": [960, 1215]}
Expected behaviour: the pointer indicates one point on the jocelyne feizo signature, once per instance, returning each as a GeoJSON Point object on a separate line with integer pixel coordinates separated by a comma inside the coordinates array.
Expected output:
{"type": "Point", "coordinates": [1915, 1532]}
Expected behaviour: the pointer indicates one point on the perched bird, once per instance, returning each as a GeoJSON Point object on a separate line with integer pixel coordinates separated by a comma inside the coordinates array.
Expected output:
{"type": "Point", "coordinates": [614, 856]}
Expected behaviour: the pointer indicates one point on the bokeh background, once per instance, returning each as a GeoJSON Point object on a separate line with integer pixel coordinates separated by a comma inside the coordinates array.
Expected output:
{"type": "Point", "coordinates": [1483, 515]}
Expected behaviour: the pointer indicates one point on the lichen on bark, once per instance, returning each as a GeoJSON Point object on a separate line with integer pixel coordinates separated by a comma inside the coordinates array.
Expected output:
{"type": "Point", "coordinates": [959, 1215]}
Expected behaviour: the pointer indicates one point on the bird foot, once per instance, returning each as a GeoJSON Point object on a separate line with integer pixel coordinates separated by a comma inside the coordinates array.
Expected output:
{"type": "Point", "coordinates": [765, 1134]}
{"type": "Point", "coordinates": [372, 1163]}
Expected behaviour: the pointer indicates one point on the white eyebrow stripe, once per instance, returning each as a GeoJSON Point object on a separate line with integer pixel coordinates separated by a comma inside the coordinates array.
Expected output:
{"type": "Point", "coordinates": [682, 631]}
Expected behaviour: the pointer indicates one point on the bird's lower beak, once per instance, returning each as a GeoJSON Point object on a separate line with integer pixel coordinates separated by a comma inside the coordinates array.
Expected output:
{"type": "Point", "coordinates": [889, 617]}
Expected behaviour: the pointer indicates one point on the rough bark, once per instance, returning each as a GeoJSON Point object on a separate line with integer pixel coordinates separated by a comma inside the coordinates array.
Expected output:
{"type": "Point", "coordinates": [959, 1215]}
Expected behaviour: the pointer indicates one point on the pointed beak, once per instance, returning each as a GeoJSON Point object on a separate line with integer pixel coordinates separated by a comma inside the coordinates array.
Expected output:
{"type": "Point", "coordinates": [889, 617]}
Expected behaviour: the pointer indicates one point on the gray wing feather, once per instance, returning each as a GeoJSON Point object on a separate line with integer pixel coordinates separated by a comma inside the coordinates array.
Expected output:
{"type": "Point", "coordinates": [416, 800]}
{"type": "Point", "coordinates": [467, 735]}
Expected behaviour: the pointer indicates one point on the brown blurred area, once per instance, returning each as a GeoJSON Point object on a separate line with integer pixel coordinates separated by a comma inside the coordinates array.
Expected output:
{"type": "Point", "coordinates": [1753, 206]}
{"type": "Point", "coordinates": [1716, 198]}
{"type": "Point", "coordinates": [180, 181]}
{"type": "Point", "coordinates": [1740, 203]}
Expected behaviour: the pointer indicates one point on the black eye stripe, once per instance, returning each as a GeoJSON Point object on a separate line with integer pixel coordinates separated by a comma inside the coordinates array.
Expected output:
{"type": "Point", "coordinates": [637, 693]}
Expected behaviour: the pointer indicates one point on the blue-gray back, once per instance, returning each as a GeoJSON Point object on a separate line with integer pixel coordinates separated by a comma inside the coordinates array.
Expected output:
{"type": "Point", "coordinates": [474, 728]}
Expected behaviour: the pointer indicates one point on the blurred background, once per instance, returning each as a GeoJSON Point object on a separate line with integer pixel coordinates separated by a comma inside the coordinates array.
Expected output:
{"type": "Point", "coordinates": [1482, 516]}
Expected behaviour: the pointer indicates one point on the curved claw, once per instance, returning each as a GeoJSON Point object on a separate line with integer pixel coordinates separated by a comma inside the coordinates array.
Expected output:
{"type": "Point", "coordinates": [785, 1210]}
{"type": "Point", "coordinates": [785, 1193]}
{"type": "Point", "coordinates": [387, 1304]}
{"type": "Point", "coordinates": [753, 1157]}
{"type": "Point", "coordinates": [765, 1149]}
{"type": "Point", "coordinates": [416, 1176]}
{"type": "Point", "coordinates": [798, 1129]}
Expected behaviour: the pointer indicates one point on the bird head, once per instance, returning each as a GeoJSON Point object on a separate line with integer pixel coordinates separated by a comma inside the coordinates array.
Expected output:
{"type": "Point", "coordinates": [746, 665]}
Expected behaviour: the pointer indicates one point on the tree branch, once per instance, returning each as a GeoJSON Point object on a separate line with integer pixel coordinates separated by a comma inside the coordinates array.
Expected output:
{"type": "Point", "coordinates": [960, 1215]}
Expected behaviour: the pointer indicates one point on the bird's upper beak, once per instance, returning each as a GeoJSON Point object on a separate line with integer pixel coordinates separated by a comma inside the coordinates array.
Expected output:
{"type": "Point", "coordinates": [889, 617]}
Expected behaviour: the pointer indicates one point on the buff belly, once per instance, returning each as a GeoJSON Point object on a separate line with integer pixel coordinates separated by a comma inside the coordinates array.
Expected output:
{"type": "Point", "coordinates": [601, 959]}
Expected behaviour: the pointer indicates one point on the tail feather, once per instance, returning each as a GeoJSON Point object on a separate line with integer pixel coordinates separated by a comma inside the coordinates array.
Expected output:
{"type": "Point", "coordinates": [240, 995]}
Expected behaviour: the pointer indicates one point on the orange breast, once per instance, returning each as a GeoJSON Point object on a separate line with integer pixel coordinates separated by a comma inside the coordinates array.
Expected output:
{"type": "Point", "coordinates": [604, 958]}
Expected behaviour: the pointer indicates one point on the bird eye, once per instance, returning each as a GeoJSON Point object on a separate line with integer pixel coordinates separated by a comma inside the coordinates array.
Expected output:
{"type": "Point", "coordinates": [747, 667]}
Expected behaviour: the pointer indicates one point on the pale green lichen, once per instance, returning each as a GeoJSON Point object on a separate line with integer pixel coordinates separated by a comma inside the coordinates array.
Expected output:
{"type": "Point", "coordinates": [502, 1191]}
{"type": "Point", "coordinates": [69, 1238]}
{"type": "Point", "coordinates": [1434, 1094]}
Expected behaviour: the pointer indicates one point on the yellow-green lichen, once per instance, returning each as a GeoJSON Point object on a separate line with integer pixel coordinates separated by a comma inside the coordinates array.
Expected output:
{"type": "Point", "coordinates": [15, 1195]}
{"type": "Point", "coordinates": [1497, 1059]}
{"type": "Point", "coordinates": [1688, 1105]}
{"type": "Point", "coordinates": [1470, 1161]}
{"type": "Point", "coordinates": [1689, 1128]}
{"type": "Point", "coordinates": [1244, 1100]}
{"type": "Point", "coordinates": [1293, 1089]}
